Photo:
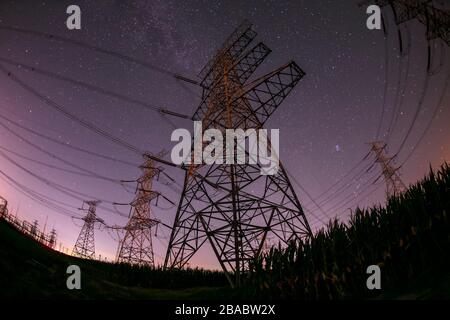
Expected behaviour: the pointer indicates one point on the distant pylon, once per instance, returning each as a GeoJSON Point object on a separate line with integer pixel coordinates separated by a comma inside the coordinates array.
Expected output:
{"type": "Point", "coordinates": [136, 246]}
{"type": "Point", "coordinates": [52, 239]}
{"type": "Point", "coordinates": [85, 245]}
{"type": "Point", "coordinates": [394, 185]}
{"type": "Point", "coordinates": [34, 228]}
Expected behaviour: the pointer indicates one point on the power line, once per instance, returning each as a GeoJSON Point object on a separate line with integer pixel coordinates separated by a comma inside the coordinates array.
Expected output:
{"type": "Point", "coordinates": [70, 115]}
{"type": "Point", "coordinates": [362, 195]}
{"type": "Point", "coordinates": [433, 116]}
{"type": "Point", "coordinates": [416, 114]}
{"type": "Point", "coordinates": [386, 82]}
{"type": "Point", "coordinates": [58, 187]}
{"type": "Point", "coordinates": [346, 200]}
{"type": "Point", "coordinates": [348, 186]}
{"type": "Point", "coordinates": [342, 179]}
{"type": "Point", "coordinates": [70, 146]}
{"type": "Point", "coordinates": [399, 98]}
{"type": "Point", "coordinates": [67, 191]}
{"type": "Point", "coordinates": [310, 197]}
{"type": "Point", "coordinates": [386, 65]}
{"type": "Point", "coordinates": [52, 155]}
{"type": "Point", "coordinates": [100, 50]}
{"type": "Point", "coordinates": [81, 121]}
{"type": "Point", "coordinates": [47, 202]}
{"type": "Point", "coordinates": [67, 145]}
{"type": "Point", "coordinates": [44, 163]}
{"type": "Point", "coordinates": [143, 104]}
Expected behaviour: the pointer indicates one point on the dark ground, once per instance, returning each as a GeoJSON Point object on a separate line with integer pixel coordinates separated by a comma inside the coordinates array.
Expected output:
{"type": "Point", "coordinates": [29, 270]}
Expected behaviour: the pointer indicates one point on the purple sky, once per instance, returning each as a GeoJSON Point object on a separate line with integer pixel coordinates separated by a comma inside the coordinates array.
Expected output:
{"type": "Point", "coordinates": [324, 123]}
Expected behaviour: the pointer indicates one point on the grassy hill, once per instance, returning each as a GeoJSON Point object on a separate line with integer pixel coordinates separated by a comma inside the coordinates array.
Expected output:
{"type": "Point", "coordinates": [409, 239]}
{"type": "Point", "coordinates": [29, 270]}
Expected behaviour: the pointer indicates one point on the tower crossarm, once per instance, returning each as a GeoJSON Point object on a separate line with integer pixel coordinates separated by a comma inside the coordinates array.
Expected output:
{"type": "Point", "coordinates": [233, 47]}
{"type": "Point", "coordinates": [138, 222]}
{"type": "Point", "coordinates": [244, 68]}
{"type": "Point", "coordinates": [251, 61]}
{"type": "Point", "coordinates": [147, 197]}
{"type": "Point", "coordinates": [263, 95]}
{"type": "Point", "coordinates": [148, 175]}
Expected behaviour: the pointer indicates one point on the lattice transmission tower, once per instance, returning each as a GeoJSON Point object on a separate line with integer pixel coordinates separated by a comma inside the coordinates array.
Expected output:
{"type": "Point", "coordinates": [234, 208]}
{"type": "Point", "coordinates": [394, 184]}
{"type": "Point", "coordinates": [436, 20]}
{"type": "Point", "coordinates": [85, 245]}
{"type": "Point", "coordinates": [136, 246]}
{"type": "Point", "coordinates": [52, 239]}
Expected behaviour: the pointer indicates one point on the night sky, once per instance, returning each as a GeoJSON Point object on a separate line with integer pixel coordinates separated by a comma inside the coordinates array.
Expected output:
{"type": "Point", "coordinates": [324, 123]}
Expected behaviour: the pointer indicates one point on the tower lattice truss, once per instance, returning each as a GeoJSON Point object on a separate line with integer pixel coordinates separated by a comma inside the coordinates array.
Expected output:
{"type": "Point", "coordinates": [436, 20]}
{"type": "Point", "coordinates": [233, 208]}
{"type": "Point", "coordinates": [394, 184]}
{"type": "Point", "coordinates": [85, 244]}
{"type": "Point", "coordinates": [136, 246]}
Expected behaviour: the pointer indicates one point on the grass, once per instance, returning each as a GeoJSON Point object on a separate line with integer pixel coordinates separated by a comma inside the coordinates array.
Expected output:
{"type": "Point", "coordinates": [29, 270]}
{"type": "Point", "coordinates": [409, 239]}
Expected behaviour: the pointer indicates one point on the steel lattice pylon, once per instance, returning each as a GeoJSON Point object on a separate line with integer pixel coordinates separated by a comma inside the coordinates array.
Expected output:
{"type": "Point", "coordinates": [233, 207]}
{"type": "Point", "coordinates": [52, 239]}
{"type": "Point", "coordinates": [136, 246]}
{"type": "Point", "coordinates": [85, 245]}
{"type": "Point", "coordinates": [394, 184]}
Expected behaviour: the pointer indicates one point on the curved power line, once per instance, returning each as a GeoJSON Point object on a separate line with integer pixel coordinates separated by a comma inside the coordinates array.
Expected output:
{"type": "Point", "coordinates": [309, 196]}
{"type": "Point", "coordinates": [363, 195]}
{"type": "Point", "coordinates": [347, 199]}
{"type": "Point", "coordinates": [70, 146]}
{"type": "Point", "coordinates": [438, 68]}
{"type": "Point", "coordinates": [433, 116]}
{"type": "Point", "coordinates": [399, 97]}
{"type": "Point", "coordinates": [348, 186]}
{"type": "Point", "coordinates": [52, 155]}
{"type": "Point", "coordinates": [44, 163]}
{"type": "Point", "coordinates": [72, 116]}
{"type": "Point", "coordinates": [143, 104]}
{"type": "Point", "coordinates": [98, 49]}
{"type": "Point", "coordinates": [83, 122]}
{"type": "Point", "coordinates": [340, 180]}
{"type": "Point", "coordinates": [73, 147]}
{"type": "Point", "coordinates": [416, 114]}
{"type": "Point", "coordinates": [60, 188]}
{"type": "Point", "coordinates": [37, 197]}
{"type": "Point", "coordinates": [386, 85]}
{"type": "Point", "coordinates": [65, 190]}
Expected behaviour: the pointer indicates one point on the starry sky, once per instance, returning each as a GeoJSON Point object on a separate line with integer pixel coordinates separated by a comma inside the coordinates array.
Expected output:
{"type": "Point", "coordinates": [352, 75]}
